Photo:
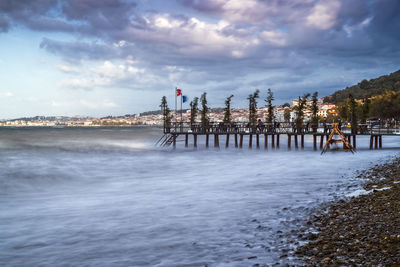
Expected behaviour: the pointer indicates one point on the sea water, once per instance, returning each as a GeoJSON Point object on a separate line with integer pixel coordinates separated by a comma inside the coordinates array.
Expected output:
{"type": "Point", "coordinates": [109, 197]}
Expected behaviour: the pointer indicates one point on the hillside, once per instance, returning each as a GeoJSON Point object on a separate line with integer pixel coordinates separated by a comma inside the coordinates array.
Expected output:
{"type": "Point", "coordinates": [365, 88]}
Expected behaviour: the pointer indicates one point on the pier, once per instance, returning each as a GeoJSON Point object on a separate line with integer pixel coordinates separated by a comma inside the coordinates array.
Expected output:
{"type": "Point", "coordinates": [269, 135]}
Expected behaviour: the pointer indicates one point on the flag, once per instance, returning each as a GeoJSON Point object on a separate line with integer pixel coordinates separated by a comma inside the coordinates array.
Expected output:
{"type": "Point", "coordinates": [184, 98]}
{"type": "Point", "coordinates": [178, 92]}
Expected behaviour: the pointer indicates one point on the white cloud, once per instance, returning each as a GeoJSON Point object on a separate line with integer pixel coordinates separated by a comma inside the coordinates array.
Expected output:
{"type": "Point", "coordinates": [250, 11]}
{"type": "Point", "coordinates": [192, 36]}
{"type": "Point", "coordinates": [6, 94]}
{"type": "Point", "coordinates": [274, 37]}
{"type": "Point", "coordinates": [108, 74]}
{"type": "Point", "coordinates": [109, 70]}
{"type": "Point", "coordinates": [121, 43]}
{"type": "Point", "coordinates": [350, 29]}
{"type": "Point", "coordinates": [78, 83]}
{"type": "Point", "coordinates": [324, 14]}
{"type": "Point", "coordinates": [97, 104]}
{"type": "Point", "coordinates": [91, 104]}
{"type": "Point", "coordinates": [67, 68]}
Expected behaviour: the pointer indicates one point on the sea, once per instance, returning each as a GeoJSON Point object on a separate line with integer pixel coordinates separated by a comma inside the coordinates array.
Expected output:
{"type": "Point", "coordinates": [111, 197]}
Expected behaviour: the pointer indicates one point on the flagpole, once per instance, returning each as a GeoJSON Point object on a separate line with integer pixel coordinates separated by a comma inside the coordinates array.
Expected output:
{"type": "Point", "coordinates": [176, 108]}
{"type": "Point", "coordinates": [181, 109]}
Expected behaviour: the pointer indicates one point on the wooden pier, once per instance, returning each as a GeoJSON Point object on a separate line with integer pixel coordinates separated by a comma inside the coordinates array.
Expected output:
{"type": "Point", "coordinates": [267, 135]}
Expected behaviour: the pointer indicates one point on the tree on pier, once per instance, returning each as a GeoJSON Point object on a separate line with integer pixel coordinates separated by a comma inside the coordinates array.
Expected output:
{"type": "Point", "coordinates": [314, 108]}
{"type": "Point", "coordinates": [193, 110]}
{"type": "Point", "coordinates": [353, 113]}
{"type": "Point", "coordinates": [253, 108]}
{"type": "Point", "coordinates": [166, 112]}
{"type": "Point", "coordinates": [286, 115]}
{"type": "Point", "coordinates": [301, 106]}
{"type": "Point", "coordinates": [227, 110]}
{"type": "Point", "coordinates": [270, 116]}
{"type": "Point", "coordinates": [365, 110]}
{"type": "Point", "coordinates": [205, 121]}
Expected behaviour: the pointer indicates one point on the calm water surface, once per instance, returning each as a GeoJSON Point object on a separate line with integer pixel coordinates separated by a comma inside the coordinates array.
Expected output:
{"type": "Point", "coordinates": [108, 197]}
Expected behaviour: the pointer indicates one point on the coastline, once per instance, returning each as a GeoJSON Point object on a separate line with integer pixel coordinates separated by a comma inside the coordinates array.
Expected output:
{"type": "Point", "coordinates": [81, 126]}
{"type": "Point", "coordinates": [363, 229]}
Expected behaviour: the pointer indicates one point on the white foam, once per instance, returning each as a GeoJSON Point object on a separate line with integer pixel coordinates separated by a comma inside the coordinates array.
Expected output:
{"type": "Point", "coordinates": [360, 192]}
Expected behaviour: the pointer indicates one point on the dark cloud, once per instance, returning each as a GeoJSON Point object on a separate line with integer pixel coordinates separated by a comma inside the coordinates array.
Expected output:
{"type": "Point", "coordinates": [265, 12]}
{"type": "Point", "coordinates": [231, 41]}
{"type": "Point", "coordinates": [386, 21]}
{"type": "Point", "coordinates": [73, 51]}
{"type": "Point", "coordinates": [206, 6]}
{"type": "Point", "coordinates": [353, 12]}
{"type": "Point", "coordinates": [26, 11]}
{"type": "Point", "coordinates": [104, 15]}
{"type": "Point", "coordinates": [90, 17]}
{"type": "Point", "coordinates": [17, 8]}
{"type": "Point", "coordinates": [4, 24]}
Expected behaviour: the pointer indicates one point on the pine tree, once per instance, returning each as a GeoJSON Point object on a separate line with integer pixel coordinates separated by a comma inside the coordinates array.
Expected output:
{"type": "Point", "coordinates": [314, 108]}
{"type": "Point", "coordinates": [193, 110]}
{"type": "Point", "coordinates": [365, 110]}
{"type": "Point", "coordinates": [205, 121]}
{"type": "Point", "coordinates": [286, 115]}
{"type": "Point", "coordinates": [300, 110]}
{"type": "Point", "coordinates": [166, 112]}
{"type": "Point", "coordinates": [270, 98]}
{"type": "Point", "coordinates": [353, 112]}
{"type": "Point", "coordinates": [227, 110]}
{"type": "Point", "coordinates": [253, 108]}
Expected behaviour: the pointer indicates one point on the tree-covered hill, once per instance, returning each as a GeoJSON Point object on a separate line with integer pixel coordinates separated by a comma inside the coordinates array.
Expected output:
{"type": "Point", "coordinates": [369, 88]}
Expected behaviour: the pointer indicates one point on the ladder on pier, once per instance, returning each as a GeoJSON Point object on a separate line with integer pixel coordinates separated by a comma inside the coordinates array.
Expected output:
{"type": "Point", "coordinates": [342, 139]}
{"type": "Point", "coordinates": [167, 140]}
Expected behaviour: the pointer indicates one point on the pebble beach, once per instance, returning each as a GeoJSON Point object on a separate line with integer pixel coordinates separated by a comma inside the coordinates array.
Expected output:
{"type": "Point", "coordinates": [362, 230]}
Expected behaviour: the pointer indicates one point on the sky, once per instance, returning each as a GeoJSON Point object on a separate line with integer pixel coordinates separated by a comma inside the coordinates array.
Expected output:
{"type": "Point", "coordinates": [116, 57]}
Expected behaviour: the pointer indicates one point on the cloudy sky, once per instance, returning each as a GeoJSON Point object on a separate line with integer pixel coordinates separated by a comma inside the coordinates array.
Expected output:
{"type": "Point", "coordinates": [115, 57]}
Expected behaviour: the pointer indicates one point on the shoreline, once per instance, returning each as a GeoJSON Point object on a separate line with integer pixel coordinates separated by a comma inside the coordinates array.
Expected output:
{"type": "Point", "coordinates": [81, 126]}
{"type": "Point", "coordinates": [359, 230]}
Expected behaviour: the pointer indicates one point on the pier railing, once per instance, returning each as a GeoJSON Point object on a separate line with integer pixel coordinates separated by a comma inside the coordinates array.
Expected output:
{"type": "Point", "coordinates": [277, 128]}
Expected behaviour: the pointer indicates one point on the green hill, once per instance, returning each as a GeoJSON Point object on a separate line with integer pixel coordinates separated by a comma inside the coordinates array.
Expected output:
{"type": "Point", "coordinates": [366, 88]}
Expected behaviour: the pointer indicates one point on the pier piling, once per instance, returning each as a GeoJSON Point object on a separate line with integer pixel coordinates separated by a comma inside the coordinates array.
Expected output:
{"type": "Point", "coordinates": [321, 142]}
{"type": "Point", "coordinates": [315, 142]}
{"type": "Point", "coordinates": [236, 141]}
{"type": "Point", "coordinates": [371, 142]}
{"type": "Point", "coordinates": [266, 141]}
{"type": "Point", "coordinates": [258, 141]}
{"type": "Point", "coordinates": [273, 140]}
{"type": "Point", "coordinates": [277, 141]}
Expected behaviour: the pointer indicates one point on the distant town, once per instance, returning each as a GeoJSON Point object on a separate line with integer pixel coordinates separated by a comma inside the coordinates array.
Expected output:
{"type": "Point", "coordinates": [155, 118]}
